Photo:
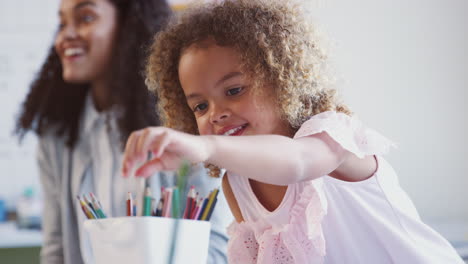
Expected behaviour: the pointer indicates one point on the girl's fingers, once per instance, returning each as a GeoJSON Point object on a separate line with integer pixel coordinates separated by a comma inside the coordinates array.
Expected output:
{"type": "Point", "coordinates": [170, 161]}
{"type": "Point", "coordinates": [149, 140]}
{"type": "Point", "coordinates": [141, 145]}
{"type": "Point", "coordinates": [127, 146]}
{"type": "Point", "coordinates": [128, 154]}
{"type": "Point", "coordinates": [158, 146]}
{"type": "Point", "coordinates": [138, 145]}
{"type": "Point", "coordinates": [132, 155]}
{"type": "Point", "coordinates": [149, 168]}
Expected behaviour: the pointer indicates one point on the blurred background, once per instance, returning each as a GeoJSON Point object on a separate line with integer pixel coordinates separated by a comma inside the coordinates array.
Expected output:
{"type": "Point", "coordinates": [402, 67]}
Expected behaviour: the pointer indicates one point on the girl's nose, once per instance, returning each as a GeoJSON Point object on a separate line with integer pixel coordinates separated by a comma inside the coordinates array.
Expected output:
{"type": "Point", "coordinates": [219, 114]}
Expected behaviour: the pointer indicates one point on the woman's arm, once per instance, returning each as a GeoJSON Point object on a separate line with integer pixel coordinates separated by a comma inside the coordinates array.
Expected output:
{"type": "Point", "coordinates": [52, 248]}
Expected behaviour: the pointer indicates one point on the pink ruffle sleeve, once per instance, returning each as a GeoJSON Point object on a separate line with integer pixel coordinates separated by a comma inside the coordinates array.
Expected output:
{"type": "Point", "coordinates": [299, 241]}
{"type": "Point", "coordinates": [348, 131]}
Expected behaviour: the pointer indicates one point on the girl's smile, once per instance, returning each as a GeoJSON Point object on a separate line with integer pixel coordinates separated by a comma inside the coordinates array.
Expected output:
{"type": "Point", "coordinates": [232, 130]}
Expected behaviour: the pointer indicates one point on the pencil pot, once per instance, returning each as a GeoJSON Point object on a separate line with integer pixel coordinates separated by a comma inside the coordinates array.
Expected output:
{"type": "Point", "coordinates": [124, 240]}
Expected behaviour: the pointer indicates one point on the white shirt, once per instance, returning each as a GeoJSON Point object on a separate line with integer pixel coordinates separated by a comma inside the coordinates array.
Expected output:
{"type": "Point", "coordinates": [374, 221]}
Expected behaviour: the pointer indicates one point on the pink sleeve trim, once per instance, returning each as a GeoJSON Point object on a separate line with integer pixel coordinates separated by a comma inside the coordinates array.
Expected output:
{"type": "Point", "coordinates": [347, 131]}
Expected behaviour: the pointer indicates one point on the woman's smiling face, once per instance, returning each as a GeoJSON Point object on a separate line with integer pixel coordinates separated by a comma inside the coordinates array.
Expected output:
{"type": "Point", "coordinates": [85, 39]}
{"type": "Point", "coordinates": [221, 96]}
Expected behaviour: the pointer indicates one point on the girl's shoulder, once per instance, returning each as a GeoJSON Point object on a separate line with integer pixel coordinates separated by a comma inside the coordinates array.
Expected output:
{"type": "Point", "coordinates": [348, 131]}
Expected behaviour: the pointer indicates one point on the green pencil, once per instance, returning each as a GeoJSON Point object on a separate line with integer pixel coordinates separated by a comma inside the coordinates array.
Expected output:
{"type": "Point", "coordinates": [175, 203]}
{"type": "Point", "coordinates": [147, 202]}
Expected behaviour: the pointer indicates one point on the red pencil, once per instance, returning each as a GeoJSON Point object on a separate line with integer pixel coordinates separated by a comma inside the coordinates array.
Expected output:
{"type": "Point", "coordinates": [129, 204]}
{"type": "Point", "coordinates": [194, 206]}
{"type": "Point", "coordinates": [189, 204]}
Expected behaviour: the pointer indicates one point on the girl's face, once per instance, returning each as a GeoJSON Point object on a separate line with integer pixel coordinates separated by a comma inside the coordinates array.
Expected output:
{"type": "Point", "coordinates": [85, 39]}
{"type": "Point", "coordinates": [221, 96]}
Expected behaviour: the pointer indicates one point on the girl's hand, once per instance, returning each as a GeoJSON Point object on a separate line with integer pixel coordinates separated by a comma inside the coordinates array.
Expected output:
{"type": "Point", "coordinates": [168, 148]}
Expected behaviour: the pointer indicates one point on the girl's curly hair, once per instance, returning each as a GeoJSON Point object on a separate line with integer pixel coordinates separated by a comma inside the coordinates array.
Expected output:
{"type": "Point", "coordinates": [55, 105]}
{"type": "Point", "coordinates": [277, 47]}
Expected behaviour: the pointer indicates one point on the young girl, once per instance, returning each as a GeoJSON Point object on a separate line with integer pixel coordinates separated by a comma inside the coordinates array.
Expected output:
{"type": "Point", "coordinates": [304, 179]}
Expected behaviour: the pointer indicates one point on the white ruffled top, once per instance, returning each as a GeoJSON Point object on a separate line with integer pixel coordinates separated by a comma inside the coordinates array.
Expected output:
{"type": "Point", "coordinates": [331, 221]}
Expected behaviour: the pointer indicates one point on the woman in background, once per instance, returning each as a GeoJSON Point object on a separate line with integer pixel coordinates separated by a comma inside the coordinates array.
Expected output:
{"type": "Point", "coordinates": [86, 100]}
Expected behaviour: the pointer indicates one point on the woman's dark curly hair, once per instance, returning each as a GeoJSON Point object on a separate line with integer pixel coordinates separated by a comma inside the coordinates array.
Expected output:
{"type": "Point", "coordinates": [53, 104]}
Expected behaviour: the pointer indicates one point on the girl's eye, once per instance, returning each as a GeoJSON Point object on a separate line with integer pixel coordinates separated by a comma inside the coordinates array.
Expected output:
{"type": "Point", "coordinates": [234, 91]}
{"type": "Point", "coordinates": [200, 107]}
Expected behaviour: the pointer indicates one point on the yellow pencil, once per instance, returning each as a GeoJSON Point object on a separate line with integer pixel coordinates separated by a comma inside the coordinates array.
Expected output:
{"type": "Point", "coordinates": [210, 203]}
{"type": "Point", "coordinates": [86, 209]}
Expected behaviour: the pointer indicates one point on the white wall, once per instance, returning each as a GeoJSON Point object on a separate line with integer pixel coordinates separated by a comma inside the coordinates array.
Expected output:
{"type": "Point", "coordinates": [405, 71]}
{"type": "Point", "coordinates": [26, 32]}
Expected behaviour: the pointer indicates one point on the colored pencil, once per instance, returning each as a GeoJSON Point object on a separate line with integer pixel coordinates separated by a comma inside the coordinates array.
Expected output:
{"type": "Point", "coordinates": [147, 202]}
{"type": "Point", "coordinates": [189, 204]}
{"type": "Point", "coordinates": [204, 205]}
{"type": "Point", "coordinates": [93, 197]}
{"type": "Point", "coordinates": [212, 197]}
{"type": "Point", "coordinates": [89, 214]}
{"type": "Point", "coordinates": [199, 209]}
{"type": "Point", "coordinates": [129, 204]}
{"type": "Point", "coordinates": [175, 203]}
{"type": "Point", "coordinates": [168, 202]}
{"type": "Point", "coordinates": [90, 205]}
{"type": "Point", "coordinates": [211, 210]}
{"type": "Point", "coordinates": [97, 206]}
{"type": "Point", "coordinates": [160, 207]}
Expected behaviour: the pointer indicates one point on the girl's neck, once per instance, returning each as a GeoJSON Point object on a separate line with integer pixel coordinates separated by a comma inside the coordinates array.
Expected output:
{"type": "Point", "coordinates": [100, 92]}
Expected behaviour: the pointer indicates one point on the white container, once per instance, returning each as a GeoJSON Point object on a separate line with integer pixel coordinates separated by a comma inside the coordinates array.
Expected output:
{"type": "Point", "coordinates": [147, 239]}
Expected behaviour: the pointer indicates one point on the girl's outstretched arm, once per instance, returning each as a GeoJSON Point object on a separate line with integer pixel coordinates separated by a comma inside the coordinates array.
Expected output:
{"type": "Point", "coordinates": [276, 159]}
{"type": "Point", "coordinates": [272, 159]}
